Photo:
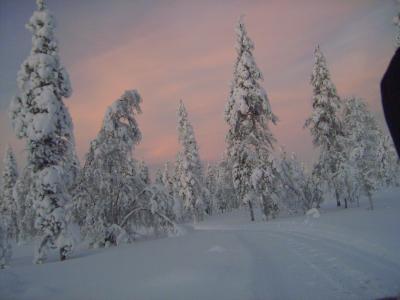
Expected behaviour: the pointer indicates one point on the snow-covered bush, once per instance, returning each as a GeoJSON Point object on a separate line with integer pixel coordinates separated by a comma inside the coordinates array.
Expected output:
{"type": "Point", "coordinates": [300, 190]}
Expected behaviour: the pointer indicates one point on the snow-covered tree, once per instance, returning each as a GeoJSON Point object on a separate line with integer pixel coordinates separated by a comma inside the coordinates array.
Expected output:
{"type": "Point", "coordinates": [39, 115]}
{"type": "Point", "coordinates": [211, 188]}
{"type": "Point", "coordinates": [111, 192]}
{"type": "Point", "coordinates": [143, 171]}
{"type": "Point", "coordinates": [5, 245]}
{"type": "Point", "coordinates": [168, 183]}
{"type": "Point", "coordinates": [324, 123]}
{"type": "Point", "coordinates": [293, 180]}
{"type": "Point", "coordinates": [8, 205]}
{"type": "Point", "coordinates": [109, 183]}
{"type": "Point", "coordinates": [265, 187]}
{"type": "Point", "coordinates": [158, 179]}
{"type": "Point", "coordinates": [25, 210]}
{"type": "Point", "coordinates": [389, 171]}
{"type": "Point", "coordinates": [177, 188]}
{"type": "Point", "coordinates": [362, 143]}
{"type": "Point", "coordinates": [396, 21]}
{"type": "Point", "coordinates": [191, 173]}
{"type": "Point", "coordinates": [167, 180]}
{"type": "Point", "coordinates": [162, 210]}
{"type": "Point", "coordinates": [225, 195]}
{"type": "Point", "coordinates": [248, 114]}
{"type": "Point", "coordinates": [161, 195]}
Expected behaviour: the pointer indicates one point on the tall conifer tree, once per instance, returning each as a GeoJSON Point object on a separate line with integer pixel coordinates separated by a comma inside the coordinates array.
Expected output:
{"type": "Point", "coordinates": [248, 114]}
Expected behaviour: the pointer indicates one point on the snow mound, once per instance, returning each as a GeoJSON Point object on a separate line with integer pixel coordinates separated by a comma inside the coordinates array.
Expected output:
{"type": "Point", "coordinates": [216, 249]}
{"type": "Point", "coordinates": [313, 213]}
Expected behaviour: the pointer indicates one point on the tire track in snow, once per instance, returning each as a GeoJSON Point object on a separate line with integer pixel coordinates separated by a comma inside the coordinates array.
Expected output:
{"type": "Point", "coordinates": [315, 261]}
{"type": "Point", "coordinates": [273, 277]}
{"type": "Point", "coordinates": [354, 270]}
{"type": "Point", "coordinates": [265, 275]}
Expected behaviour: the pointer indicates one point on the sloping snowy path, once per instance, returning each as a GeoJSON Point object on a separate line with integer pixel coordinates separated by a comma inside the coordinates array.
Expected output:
{"type": "Point", "coordinates": [352, 254]}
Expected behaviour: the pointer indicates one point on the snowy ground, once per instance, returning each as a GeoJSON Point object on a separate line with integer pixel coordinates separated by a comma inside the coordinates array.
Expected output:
{"type": "Point", "coordinates": [343, 254]}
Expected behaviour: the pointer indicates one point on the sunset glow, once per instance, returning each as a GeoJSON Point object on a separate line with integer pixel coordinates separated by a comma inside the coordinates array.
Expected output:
{"type": "Point", "coordinates": [172, 50]}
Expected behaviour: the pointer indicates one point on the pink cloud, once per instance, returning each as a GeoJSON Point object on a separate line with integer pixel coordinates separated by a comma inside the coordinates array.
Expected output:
{"type": "Point", "coordinates": [191, 58]}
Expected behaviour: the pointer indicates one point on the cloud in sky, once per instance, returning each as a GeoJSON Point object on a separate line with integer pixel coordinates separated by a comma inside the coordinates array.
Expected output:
{"type": "Point", "coordinates": [171, 50]}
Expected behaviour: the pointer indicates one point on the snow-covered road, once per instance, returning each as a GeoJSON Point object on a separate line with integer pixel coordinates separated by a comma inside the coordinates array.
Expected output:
{"type": "Point", "coordinates": [352, 254]}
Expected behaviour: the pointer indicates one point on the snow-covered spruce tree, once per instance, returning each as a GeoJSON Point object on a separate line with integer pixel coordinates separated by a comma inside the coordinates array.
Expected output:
{"type": "Point", "coordinates": [264, 180]}
{"type": "Point", "coordinates": [211, 188]}
{"type": "Point", "coordinates": [143, 171]}
{"type": "Point", "coordinates": [225, 195]}
{"type": "Point", "coordinates": [248, 114]}
{"type": "Point", "coordinates": [362, 142]}
{"type": "Point", "coordinates": [109, 182]}
{"type": "Point", "coordinates": [353, 126]}
{"type": "Point", "coordinates": [191, 173]}
{"type": "Point", "coordinates": [168, 182]}
{"type": "Point", "coordinates": [161, 197]}
{"type": "Point", "coordinates": [5, 245]}
{"type": "Point", "coordinates": [25, 210]}
{"type": "Point", "coordinates": [389, 171]}
{"type": "Point", "coordinates": [324, 124]}
{"type": "Point", "coordinates": [39, 115]}
{"type": "Point", "coordinates": [177, 188]}
{"type": "Point", "coordinates": [162, 193]}
{"type": "Point", "coordinates": [158, 179]}
{"type": "Point", "coordinates": [314, 193]}
{"type": "Point", "coordinates": [396, 21]}
{"type": "Point", "coordinates": [8, 207]}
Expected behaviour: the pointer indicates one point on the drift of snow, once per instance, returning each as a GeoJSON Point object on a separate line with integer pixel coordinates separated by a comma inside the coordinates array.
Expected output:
{"type": "Point", "coordinates": [216, 249]}
{"type": "Point", "coordinates": [313, 212]}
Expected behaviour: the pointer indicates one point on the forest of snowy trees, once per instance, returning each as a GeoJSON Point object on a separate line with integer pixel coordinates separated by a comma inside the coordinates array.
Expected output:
{"type": "Point", "coordinates": [111, 198]}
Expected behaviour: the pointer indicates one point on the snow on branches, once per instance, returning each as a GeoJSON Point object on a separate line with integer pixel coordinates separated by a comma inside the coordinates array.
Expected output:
{"type": "Point", "coordinates": [39, 115]}
{"type": "Point", "coordinates": [248, 114]}
{"type": "Point", "coordinates": [190, 175]}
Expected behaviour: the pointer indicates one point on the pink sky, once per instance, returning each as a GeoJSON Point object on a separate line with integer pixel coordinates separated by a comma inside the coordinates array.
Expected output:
{"type": "Point", "coordinates": [185, 50]}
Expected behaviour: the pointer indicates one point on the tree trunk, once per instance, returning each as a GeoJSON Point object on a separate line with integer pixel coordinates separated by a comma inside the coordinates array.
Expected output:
{"type": "Point", "coordinates": [338, 204]}
{"type": "Point", "coordinates": [371, 202]}
{"type": "Point", "coordinates": [345, 202]}
{"type": "Point", "coordinates": [251, 211]}
{"type": "Point", "coordinates": [62, 256]}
